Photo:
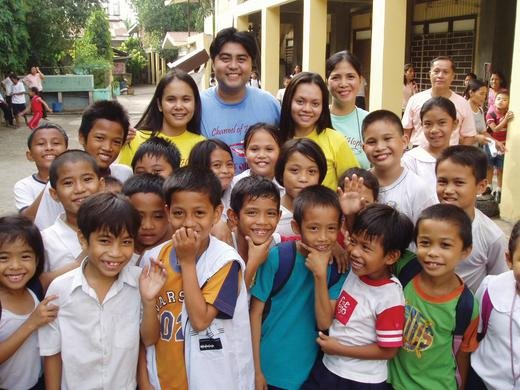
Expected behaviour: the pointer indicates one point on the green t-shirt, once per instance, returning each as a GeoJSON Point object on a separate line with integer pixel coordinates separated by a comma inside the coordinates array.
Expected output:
{"type": "Point", "coordinates": [426, 359]}
{"type": "Point", "coordinates": [350, 126]}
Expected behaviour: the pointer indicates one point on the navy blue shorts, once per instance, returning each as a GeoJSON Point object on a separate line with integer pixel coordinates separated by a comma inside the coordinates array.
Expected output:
{"type": "Point", "coordinates": [323, 379]}
{"type": "Point", "coordinates": [497, 161]}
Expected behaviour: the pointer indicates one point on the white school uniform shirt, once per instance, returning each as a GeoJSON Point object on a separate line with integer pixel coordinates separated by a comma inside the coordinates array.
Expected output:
{"type": "Point", "coordinates": [61, 244]}
{"type": "Point", "coordinates": [49, 209]}
{"type": "Point", "coordinates": [422, 163]}
{"type": "Point", "coordinates": [230, 367]}
{"type": "Point", "coordinates": [409, 194]}
{"type": "Point", "coordinates": [492, 359]}
{"type": "Point", "coordinates": [247, 173]}
{"type": "Point", "coordinates": [487, 254]}
{"type": "Point", "coordinates": [15, 88]}
{"type": "Point", "coordinates": [366, 313]}
{"type": "Point", "coordinates": [26, 191]}
{"type": "Point", "coordinates": [22, 370]}
{"type": "Point", "coordinates": [284, 228]}
{"type": "Point", "coordinates": [98, 341]}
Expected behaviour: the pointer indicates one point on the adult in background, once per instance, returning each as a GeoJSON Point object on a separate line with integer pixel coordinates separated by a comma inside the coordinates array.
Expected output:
{"type": "Point", "coordinates": [344, 74]}
{"type": "Point", "coordinates": [229, 108]}
{"type": "Point", "coordinates": [34, 79]}
{"type": "Point", "coordinates": [442, 73]}
{"type": "Point", "coordinates": [410, 87]}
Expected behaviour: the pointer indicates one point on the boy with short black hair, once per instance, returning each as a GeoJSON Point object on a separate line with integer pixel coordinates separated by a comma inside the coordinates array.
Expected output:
{"type": "Point", "coordinates": [441, 313]}
{"type": "Point", "coordinates": [157, 156]}
{"type": "Point", "coordinates": [144, 191]}
{"type": "Point", "coordinates": [73, 176]}
{"type": "Point", "coordinates": [44, 144]}
{"type": "Point", "coordinates": [384, 143]}
{"type": "Point", "coordinates": [205, 340]}
{"type": "Point", "coordinates": [365, 324]}
{"type": "Point", "coordinates": [283, 324]}
{"type": "Point", "coordinates": [461, 176]}
{"type": "Point", "coordinates": [254, 212]}
{"type": "Point", "coordinates": [103, 306]}
{"type": "Point", "coordinates": [102, 133]}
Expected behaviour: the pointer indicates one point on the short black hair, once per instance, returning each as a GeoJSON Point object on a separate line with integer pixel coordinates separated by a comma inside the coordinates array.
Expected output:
{"type": "Point", "coordinates": [380, 221]}
{"type": "Point", "coordinates": [47, 125]}
{"type": "Point", "coordinates": [286, 120]}
{"type": "Point", "coordinates": [308, 148]}
{"type": "Point", "coordinates": [451, 214]}
{"type": "Point", "coordinates": [158, 147]}
{"type": "Point", "coordinates": [231, 34]}
{"type": "Point", "coordinates": [444, 58]}
{"type": "Point", "coordinates": [315, 196]}
{"type": "Point", "coordinates": [104, 109]}
{"type": "Point", "coordinates": [18, 227]}
{"type": "Point", "coordinates": [252, 188]}
{"type": "Point", "coordinates": [107, 211]}
{"type": "Point", "coordinates": [467, 156]}
{"type": "Point", "coordinates": [253, 129]}
{"type": "Point", "coordinates": [200, 155]}
{"type": "Point", "coordinates": [439, 101]}
{"type": "Point", "coordinates": [193, 179]}
{"type": "Point", "coordinates": [369, 179]}
{"type": "Point", "coordinates": [70, 156]}
{"type": "Point", "coordinates": [341, 56]}
{"type": "Point", "coordinates": [382, 116]}
{"type": "Point", "coordinates": [111, 181]}
{"type": "Point", "coordinates": [144, 183]}
{"type": "Point", "coordinates": [513, 239]}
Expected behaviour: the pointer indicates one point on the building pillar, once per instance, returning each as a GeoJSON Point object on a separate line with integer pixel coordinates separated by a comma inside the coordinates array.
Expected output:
{"type": "Point", "coordinates": [315, 35]}
{"type": "Point", "coordinates": [510, 205]}
{"type": "Point", "coordinates": [157, 67]}
{"type": "Point", "coordinates": [387, 55]}
{"type": "Point", "coordinates": [270, 57]}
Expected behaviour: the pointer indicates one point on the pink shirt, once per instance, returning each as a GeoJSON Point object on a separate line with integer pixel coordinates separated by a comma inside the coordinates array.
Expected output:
{"type": "Point", "coordinates": [33, 80]}
{"type": "Point", "coordinates": [412, 119]}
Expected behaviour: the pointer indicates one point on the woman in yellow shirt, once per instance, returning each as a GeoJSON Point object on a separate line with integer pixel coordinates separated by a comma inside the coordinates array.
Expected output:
{"type": "Point", "coordinates": [305, 113]}
{"type": "Point", "coordinates": [173, 113]}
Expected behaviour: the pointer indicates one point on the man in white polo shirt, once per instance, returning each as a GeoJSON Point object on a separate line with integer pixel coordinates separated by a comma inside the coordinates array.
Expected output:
{"type": "Point", "coordinates": [442, 73]}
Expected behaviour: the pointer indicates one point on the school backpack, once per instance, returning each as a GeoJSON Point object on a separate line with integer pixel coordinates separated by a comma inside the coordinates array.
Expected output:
{"type": "Point", "coordinates": [286, 260]}
{"type": "Point", "coordinates": [463, 310]}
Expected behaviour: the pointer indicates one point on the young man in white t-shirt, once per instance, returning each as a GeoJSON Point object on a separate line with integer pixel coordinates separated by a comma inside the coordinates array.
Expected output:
{"type": "Point", "coordinates": [366, 322]}
{"type": "Point", "coordinates": [384, 143]}
{"type": "Point", "coordinates": [17, 93]}
{"type": "Point", "coordinates": [461, 176]}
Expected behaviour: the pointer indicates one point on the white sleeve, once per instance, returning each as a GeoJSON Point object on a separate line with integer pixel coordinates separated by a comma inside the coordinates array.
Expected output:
{"type": "Point", "coordinates": [496, 256]}
{"type": "Point", "coordinates": [23, 195]}
{"type": "Point", "coordinates": [49, 337]}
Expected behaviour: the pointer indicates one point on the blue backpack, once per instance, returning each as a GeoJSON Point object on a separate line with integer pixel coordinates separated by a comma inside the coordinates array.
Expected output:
{"type": "Point", "coordinates": [286, 260]}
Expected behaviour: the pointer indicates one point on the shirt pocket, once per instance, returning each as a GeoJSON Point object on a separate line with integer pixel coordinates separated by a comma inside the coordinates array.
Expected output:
{"type": "Point", "coordinates": [125, 330]}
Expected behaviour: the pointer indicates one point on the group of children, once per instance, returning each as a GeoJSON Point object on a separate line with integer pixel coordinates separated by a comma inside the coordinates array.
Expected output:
{"type": "Point", "coordinates": [246, 277]}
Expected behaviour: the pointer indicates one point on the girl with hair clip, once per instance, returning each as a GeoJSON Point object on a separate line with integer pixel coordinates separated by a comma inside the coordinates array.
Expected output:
{"type": "Point", "coordinates": [345, 79]}
{"type": "Point", "coordinates": [173, 113]}
{"type": "Point", "coordinates": [305, 114]}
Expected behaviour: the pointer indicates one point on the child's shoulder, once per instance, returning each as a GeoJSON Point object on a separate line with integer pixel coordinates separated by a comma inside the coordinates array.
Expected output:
{"type": "Point", "coordinates": [485, 227]}
{"type": "Point", "coordinates": [420, 154]}
{"type": "Point", "coordinates": [218, 254]}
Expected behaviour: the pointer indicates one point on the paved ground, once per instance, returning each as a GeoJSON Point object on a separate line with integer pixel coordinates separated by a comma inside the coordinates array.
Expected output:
{"type": "Point", "coordinates": [14, 166]}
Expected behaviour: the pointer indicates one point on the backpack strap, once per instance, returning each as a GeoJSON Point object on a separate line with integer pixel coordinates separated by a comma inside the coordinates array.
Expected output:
{"type": "Point", "coordinates": [463, 312]}
{"type": "Point", "coordinates": [409, 271]}
{"type": "Point", "coordinates": [485, 310]}
{"type": "Point", "coordinates": [286, 260]}
{"type": "Point", "coordinates": [334, 275]}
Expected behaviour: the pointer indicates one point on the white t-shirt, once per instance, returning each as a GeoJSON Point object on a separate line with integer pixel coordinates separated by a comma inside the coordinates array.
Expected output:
{"type": "Point", "coordinates": [22, 370]}
{"type": "Point", "coordinates": [247, 173]}
{"type": "Point", "coordinates": [15, 88]}
{"type": "Point", "coordinates": [7, 82]}
{"type": "Point", "coordinates": [284, 225]}
{"type": "Point", "coordinates": [367, 311]}
{"type": "Point", "coordinates": [409, 194]}
{"type": "Point", "coordinates": [98, 338]}
{"type": "Point", "coordinates": [422, 163]}
{"type": "Point", "coordinates": [27, 190]}
{"type": "Point", "coordinates": [487, 255]}
{"type": "Point", "coordinates": [61, 244]}
{"type": "Point", "coordinates": [498, 343]}
{"type": "Point", "coordinates": [412, 118]}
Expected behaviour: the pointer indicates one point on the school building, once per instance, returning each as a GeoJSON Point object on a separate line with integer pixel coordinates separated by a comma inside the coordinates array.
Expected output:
{"type": "Point", "coordinates": [386, 34]}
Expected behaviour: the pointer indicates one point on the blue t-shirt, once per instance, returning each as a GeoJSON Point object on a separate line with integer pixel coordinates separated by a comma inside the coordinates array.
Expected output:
{"type": "Point", "coordinates": [229, 122]}
{"type": "Point", "coordinates": [288, 347]}
{"type": "Point", "coordinates": [350, 126]}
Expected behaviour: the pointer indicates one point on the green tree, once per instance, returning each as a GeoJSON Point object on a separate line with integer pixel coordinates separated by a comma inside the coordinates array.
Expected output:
{"type": "Point", "coordinates": [137, 61]}
{"type": "Point", "coordinates": [14, 37]}
{"type": "Point", "coordinates": [97, 32]}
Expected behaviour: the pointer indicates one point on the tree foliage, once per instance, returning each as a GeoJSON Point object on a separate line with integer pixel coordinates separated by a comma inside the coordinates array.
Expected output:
{"type": "Point", "coordinates": [137, 61]}
{"type": "Point", "coordinates": [97, 32]}
{"type": "Point", "coordinates": [157, 18]}
{"type": "Point", "coordinates": [39, 32]}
